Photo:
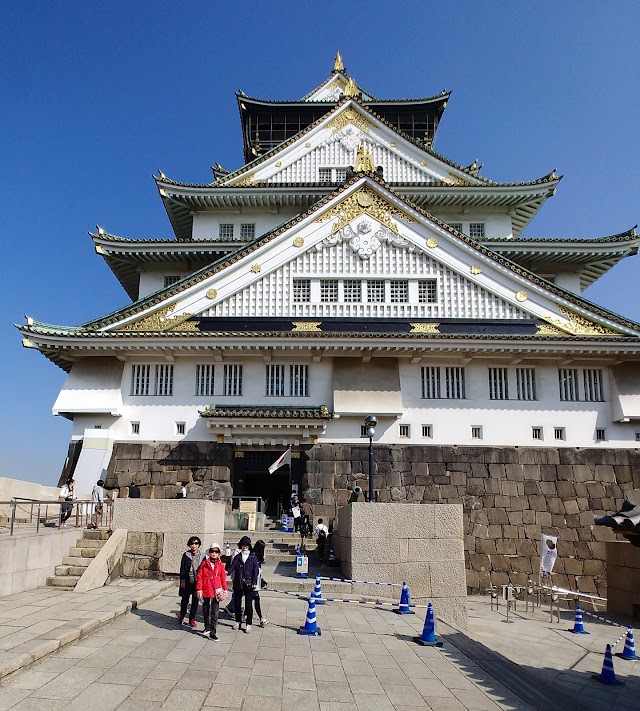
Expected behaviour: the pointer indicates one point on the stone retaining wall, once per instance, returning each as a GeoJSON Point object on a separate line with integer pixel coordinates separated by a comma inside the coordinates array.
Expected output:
{"type": "Point", "coordinates": [142, 557]}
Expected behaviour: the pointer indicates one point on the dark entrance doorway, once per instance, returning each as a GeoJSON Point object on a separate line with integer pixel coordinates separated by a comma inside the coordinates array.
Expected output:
{"type": "Point", "coordinates": [251, 478]}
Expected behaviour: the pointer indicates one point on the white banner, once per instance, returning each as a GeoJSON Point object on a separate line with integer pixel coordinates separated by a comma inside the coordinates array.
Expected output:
{"type": "Point", "coordinates": [548, 555]}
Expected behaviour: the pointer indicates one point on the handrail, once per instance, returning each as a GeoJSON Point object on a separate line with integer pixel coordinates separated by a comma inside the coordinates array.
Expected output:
{"type": "Point", "coordinates": [86, 512]}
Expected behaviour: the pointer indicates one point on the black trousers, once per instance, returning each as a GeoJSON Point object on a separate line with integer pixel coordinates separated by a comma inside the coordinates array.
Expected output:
{"type": "Point", "coordinates": [247, 595]}
{"type": "Point", "coordinates": [321, 544]}
{"type": "Point", "coordinates": [185, 594]}
{"type": "Point", "coordinates": [67, 510]}
{"type": "Point", "coordinates": [210, 609]}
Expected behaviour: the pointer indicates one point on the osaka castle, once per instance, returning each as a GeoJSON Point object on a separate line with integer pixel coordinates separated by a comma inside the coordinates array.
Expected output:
{"type": "Point", "coordinates": [345, 269]}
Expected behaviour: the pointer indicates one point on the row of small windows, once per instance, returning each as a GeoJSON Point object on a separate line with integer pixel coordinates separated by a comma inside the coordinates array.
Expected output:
{"type": "Point", "coordinates": [448, 382]}
{"type": "Point", "coordinates": [332, 175]}
{"type": "Point", "coordinates": [537, 433]}
{"type": "Point", "coordinates": [247, 230]}
{"type": "Point", "coordinates": [476, 229]}
{"type": "Point", "coordinates": [395, 291]}
{"type": "Point", "coordinates": [280, 380]}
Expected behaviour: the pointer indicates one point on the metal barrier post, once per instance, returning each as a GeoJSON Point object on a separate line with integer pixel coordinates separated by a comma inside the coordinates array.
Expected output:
{"type": "Point", "coordinates": [13, 516]}
{"type": "Point", "coordinates": [554, 598]}
{"type": "Point", "coordinates": [530, 596]}
{"type": "Point", "coordinates": [493, 591]}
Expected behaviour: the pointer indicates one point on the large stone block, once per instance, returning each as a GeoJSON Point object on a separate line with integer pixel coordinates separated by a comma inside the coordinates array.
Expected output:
{"type": "Point", "coordinates": [143, 543]}
{"type": "Point", "coordinates": [376, 550]}
{"type": "Point", "coordinates": [168, 515]}
{"type": "Point", "coordinates": [397, 521]}
{"type": "Point", "coordinates": [435, 549]}
{"type": "Point", "coordinates": [417, 576]}
{"type": "Point", "coordinates": [447, 579]}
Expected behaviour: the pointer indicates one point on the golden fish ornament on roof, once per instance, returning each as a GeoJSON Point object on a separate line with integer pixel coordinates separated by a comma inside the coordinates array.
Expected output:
{"type": "Point", "coordinates": [338, 66]}
{"type": "Point", "coordinates": [364, 162]}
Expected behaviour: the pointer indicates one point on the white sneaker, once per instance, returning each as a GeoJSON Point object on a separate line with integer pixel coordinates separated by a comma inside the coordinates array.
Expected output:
{"type": "Point", "coordinates": [264, 622]}
{"type": "Point", "coordinates": [236, 625]}
{"type": "Point", "coordinates": [247, 629]}
{"type": "Point", "coordinates": [206, 633]}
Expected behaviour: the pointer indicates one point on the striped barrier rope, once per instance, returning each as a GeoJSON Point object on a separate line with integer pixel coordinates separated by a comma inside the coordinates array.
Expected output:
{"type": "Point", "coordinates": [609, 622]}
{"type": "Point", "coordinates": [360, 582]}
{"type": "Point", "coordinates": [375, 603]}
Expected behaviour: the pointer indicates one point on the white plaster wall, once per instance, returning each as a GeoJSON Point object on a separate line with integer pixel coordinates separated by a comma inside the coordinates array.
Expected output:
{"type": "Point", "coordinates": [28, 560]}
{"type": "Point", "coordinates": [496, 225]}
{"type": "Point", "coordinates": [206, 224]}
{"type": "Point", "coordinates": [569, 281]}
{"type": "Point", "coordinates": [93, 384]}
{"type": "Point", "coordinates": [153, 280]}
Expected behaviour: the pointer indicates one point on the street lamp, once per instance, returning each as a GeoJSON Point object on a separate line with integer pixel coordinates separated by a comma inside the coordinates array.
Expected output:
{"type": "Point", "coordinates": [370, 422]}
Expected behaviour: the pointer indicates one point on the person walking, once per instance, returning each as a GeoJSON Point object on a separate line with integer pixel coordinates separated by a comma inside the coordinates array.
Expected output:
{"type": "Point", "coordinates": [97, 496]}
{"type": "Point", "coordinates": [258, 549]}
{"type": "Point", "coordinates": [189, 565]}
{"type": "Point", "coordinates": [67, 495]}
{"type": "Point", "coordinates": [211, 587]}
{"type": "Point", "coordinates": [244, 570]}
{"type": "Point", "coordinates": [307, 516]}
{"type": "Point", "coordinates": [321, 533]}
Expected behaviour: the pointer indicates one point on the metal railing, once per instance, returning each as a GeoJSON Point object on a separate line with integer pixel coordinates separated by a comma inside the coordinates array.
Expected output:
{"type": "Point", "coordinates": [48, 513]}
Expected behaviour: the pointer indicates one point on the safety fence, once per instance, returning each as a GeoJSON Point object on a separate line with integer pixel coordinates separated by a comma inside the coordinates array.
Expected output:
{"type": "Point", "coordinates": [44, 513]}
{"type": "Point", "coordinates": [361, 582]}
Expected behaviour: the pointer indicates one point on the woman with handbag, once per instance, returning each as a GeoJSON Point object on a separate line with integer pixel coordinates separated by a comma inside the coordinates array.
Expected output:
{"type": "Point", "coordinates": [189, 565]}
{"type": "Point", "coordinates": [211, 587]}
{"type": "Point", "coordinates": [67, 495]}
{"type": "Point", "coordinates": [258, 549]}
{"type": "Point", "coordinates": [244, 570]}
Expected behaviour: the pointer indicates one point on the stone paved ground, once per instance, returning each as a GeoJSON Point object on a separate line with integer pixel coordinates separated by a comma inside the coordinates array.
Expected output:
{"type": "Point", "coordinates": [365, 659]}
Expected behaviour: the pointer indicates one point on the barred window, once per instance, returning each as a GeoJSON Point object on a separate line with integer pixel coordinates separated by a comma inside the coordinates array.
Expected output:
{"type": "Point", "coordinates": [430, 383]}
{"type": "Point", "coordinates": [399, 289]}
{"type": "Point", "coordinates": [568, 384]}
{"type": "Point", "coordinates": [456, 226]}
{"type": "Point", "coordinates": [135, 428]}
{"type": "Point", "coordinates": [428, 291]}
{"type": "Point", "coordinates": [559, 433]}
{"type": "Point", "coordinates": [601, 435]}
{"type": "Point", "coordinates": [476, 432]}
{"type": "Point", "coordinates": [275, 381]}
{"type": "Point", "coordinates": [232, 380]}
{"type": "Point", "coordinates": [352, 290]}
{"type": "Point", "coordinates": [324, 175]}
{"type": "Point", "coordinates": [204, 379]}
{"type": "Point", "coordinates": [404, 430]}
{"type": "Point", "coordinates": [181, 428]}
{"type": "Point", "coordinates": [363, 431]}
{"type": "Point", "coordinates": [328, 290]}
{"type": "Point", "coordinates": [141, 379]}
{"type": "Point", "coordinates": [476, 230]}
{"type": "Point", "coordinates": [454, 378]}
{"type": "Point", "coordinates": [299, 380]}
{"type": "Point", "coordinates": [536, 433]}
{"type": "Point", "coordinates": [164, 379]}
{"type": "Point", "coordinates": [498, 384]}
{"type": "Point", "coordinates": [341, 175]}
{"type": "Point", "coordinates": [248, 230]}
{"type": "Point", "coordinates": [525, 383]}
{"type": "Point", "coordinates": [171, 279]}
{"type": "Point", "coordinates": [301, 290]}
{"type": "Point", "coordinates": [226, 231]}
{"type": "Point", "coordinates": [375, 290]}
{"type": "Point", "coordinates": [427, 431]}
{"type": "Point", "coordinates": [592, 379]}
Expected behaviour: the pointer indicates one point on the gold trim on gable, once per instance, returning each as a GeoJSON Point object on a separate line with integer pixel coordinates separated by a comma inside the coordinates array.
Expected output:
{"type": "Point", "coordinates": [350, 116]}
{"type": "Point", "coordinates": [364, 201]}
{"type": "Point", "coordinates": [306, 326]}
{"type": "Point", "coordinates": [579, 325]}
{"type": "Point", "coordinates": [545, 329]}
{"type": "Point", "coordinates": [162, 321]}
{"type": "Point", "coordinates": [424, 328]}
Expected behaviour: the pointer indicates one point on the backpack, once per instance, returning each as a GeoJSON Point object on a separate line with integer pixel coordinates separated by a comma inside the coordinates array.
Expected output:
{"type": "Point", "coordinates": [322, 536]}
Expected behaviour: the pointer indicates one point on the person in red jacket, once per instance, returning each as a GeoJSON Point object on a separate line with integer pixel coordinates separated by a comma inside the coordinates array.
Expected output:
{"type": "Point", "coordinates": [211, 587]}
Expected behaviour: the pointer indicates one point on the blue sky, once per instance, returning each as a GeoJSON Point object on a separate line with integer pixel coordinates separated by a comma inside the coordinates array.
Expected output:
{"type": "Point", "coordinates": [98, 96]}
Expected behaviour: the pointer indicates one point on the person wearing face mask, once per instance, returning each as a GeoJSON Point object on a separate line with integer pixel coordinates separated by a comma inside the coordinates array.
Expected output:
{"type": "Point", "coordinates": [244, 570]}
{"type": "Point", "coordinates": [191, 561]}
{"type": "Point", "coordinates": [211, 587]}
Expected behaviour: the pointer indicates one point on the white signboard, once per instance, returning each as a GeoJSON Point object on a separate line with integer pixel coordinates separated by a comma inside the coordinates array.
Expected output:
{"type": "Point", "coordinates": [302, 565]}
{"type": "Point", "coordinates": [548, 555]}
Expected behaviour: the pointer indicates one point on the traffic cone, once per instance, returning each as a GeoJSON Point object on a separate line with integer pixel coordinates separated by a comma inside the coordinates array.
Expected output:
{"type": "Point", "coordinates": [629, 651]}
{"type": "Point", "coordinates": [578, 625]}
{"type": "Point", "coordinates": [332, 558]}
{"type": "Point", "coordinates": [310, 628]}
{"type": "Point", "coordinates": [607, 675]}
{"type": "Point", "coordinates": [405, 602]}
{"type": "Point", "coordinates": [428, 638]}
{"type": "Point", "coordinates": [317, 592]}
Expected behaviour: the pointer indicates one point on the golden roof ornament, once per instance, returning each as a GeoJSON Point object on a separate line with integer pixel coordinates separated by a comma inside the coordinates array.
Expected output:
{"type": "Point", "coordinates": [338, 66]}
{"type": "Point", "coordinates": [350, 88]}
{"type": "Point", "coordinates": [364, 162]}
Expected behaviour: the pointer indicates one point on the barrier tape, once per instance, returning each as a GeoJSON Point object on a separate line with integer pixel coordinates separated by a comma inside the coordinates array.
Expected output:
{"type": "Point", "coordinates": [375, 603]}
{"type": "Point", "coordinates": [360, 582]}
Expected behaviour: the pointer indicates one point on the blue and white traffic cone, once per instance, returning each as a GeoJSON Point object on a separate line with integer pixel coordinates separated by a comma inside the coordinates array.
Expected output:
{"type": "Point", "coordinates": [310, 628]}
{"type": "Point", "coordinates": [428, 637]}
{"type": "Point", "coordinates": [405, 602]}
{"type": "Point", "coordinates": [629, 651]}
{"type": "Point", "coordinates": [317, 591]}
{"type": "Point", "coordinates": [608, 675]}
{"type": "Point", "coordinates": [578, 624]}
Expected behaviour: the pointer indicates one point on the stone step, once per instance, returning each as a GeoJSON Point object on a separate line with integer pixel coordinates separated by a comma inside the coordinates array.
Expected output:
{"type": "Point", "coordinates": [93, 535]}
{"type": "Point", "coordinates": [83, 552]}
{"type": "Point", "coordinates": [90, 543]}
{"type": "Point", "coordinates": [70, 570]}
{"type": "Point", "coordinates": [77, 561]}
{"type": "Point", "coordinates": [63, 581]}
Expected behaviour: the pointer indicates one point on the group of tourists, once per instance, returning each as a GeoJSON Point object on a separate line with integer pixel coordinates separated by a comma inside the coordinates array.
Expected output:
{"type": "Point", "coordinates": [68, 496]}
{"type": "Point", "coordinates": [302, 513]}
{"type": "Point", "coordinates": [203, 577]}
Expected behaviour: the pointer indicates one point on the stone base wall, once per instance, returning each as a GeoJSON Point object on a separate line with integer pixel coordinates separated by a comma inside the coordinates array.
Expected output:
{"type": "Point", "coordinates": [623, 579]}
{"type": "Point", "coordinates": [142, 557]}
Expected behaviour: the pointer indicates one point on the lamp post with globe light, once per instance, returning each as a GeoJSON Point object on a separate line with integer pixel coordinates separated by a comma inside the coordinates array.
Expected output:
{"type": "Point", "coordinates": [370, 422]}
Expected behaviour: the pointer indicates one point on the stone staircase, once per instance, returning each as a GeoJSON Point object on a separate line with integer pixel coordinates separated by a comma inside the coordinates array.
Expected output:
{"type": "Point", "coordinates": [80, 555]}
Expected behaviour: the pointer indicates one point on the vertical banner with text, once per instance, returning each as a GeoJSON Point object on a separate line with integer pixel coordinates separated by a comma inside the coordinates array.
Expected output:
{"type": "Point", "coordinates": [548, 555]}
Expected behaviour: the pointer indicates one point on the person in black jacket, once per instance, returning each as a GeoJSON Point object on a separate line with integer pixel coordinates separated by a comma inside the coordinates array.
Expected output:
{"type": "Point", "coordinates": [244, 570]}
{"type": "Point", "coordinates": [191, 560]}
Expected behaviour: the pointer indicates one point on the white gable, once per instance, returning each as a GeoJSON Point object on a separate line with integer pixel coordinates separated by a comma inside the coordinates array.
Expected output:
{"type": "Point", "coordinates": [332, 90]}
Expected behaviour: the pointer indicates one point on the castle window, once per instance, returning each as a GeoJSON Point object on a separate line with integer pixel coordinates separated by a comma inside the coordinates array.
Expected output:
{"type": "Point", "coordinates": [399, 289]}
{"type": "Point", "coordinates": [301, 290]}
{"type": "Point", "coordinates": [454, 378]}
{"type": "Point", "coordinates": [536, 433]}
{"type": "Point", "coordinates": [568, 383]}
{"type": "Point", "coordinates": [430, 383]}
{"type": "Point", "coordinates": [352, 290]}
{"type": "Point", "coordinates": [164, 379]}
{"type": "Point", "coordinates": [559, 433]}
{"type": "Point", "coordinates": [248, 230]}
{"type": "Point", "coordinates": [456, 226]}
{"type": "Point", "coordinates": [275, 381]}
{"type": "Point", "coordinates": [363, 431]}
{"type": "Point", "coordinates": [299, 380]}
{"type": "Point", "coordinates": [140, 379]}
{"type": "Point", "coordinates": [341, 175]}
{"type": "Point", "coordinates": [181, 428]}
{"type": "Point", "coordinates": [476, 432]}
{"type": "Point", "coordinates": [525, 383]}
{"type": "Point", "coordinates": [225, 231]}
{"type": "Point", "coordinates": [498, 384]}
{"type": "Point", "coordinates": [332, 175]}
{"type": "Point", "coordinates": [171, 279]}
{"type": "Point", "coordinates": [476, 230]}
{"type": "Point", "coordinates": [404, 430]}
{"type": "Point", "coordinates": [428, 291]}
{"type": "Point", "coordinates": [204, 379]}
{"type": "Point", "coordinates": [601, 435]}
{"type": "Point", "coordinates": [453, 383]}
{"type": "Point", "coordinates": [135, 428]}
{"type": "Point", "coordinates": [375, 290]}
{"type": "Point", "coordinates": [328, 290]}
{"type": "Point", "coordinates": [141, 384]}
{"type": "Point", "coordinates": [232, 380]}
{"type": "Point", "coordinates": [427, 431]}
{"type": "Point", "coordinates": [278, 385]}
{"type": "Point", "coordinates": [592, 380]}
{"type": "Point", "coordinates": [324, 175]}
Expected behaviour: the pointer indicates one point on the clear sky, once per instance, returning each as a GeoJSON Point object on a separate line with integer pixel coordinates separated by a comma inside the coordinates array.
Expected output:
{"type": "Point", "coordinates": [95, 97]}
